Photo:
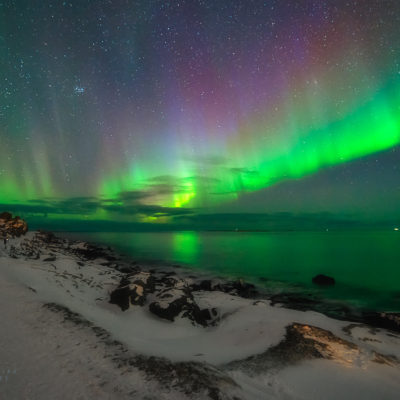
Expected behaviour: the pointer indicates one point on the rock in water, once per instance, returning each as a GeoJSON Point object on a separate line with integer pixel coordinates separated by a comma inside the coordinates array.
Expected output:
{"type": "Point", "coordinates": [10, 226]}
{"type": "Point", "coordinates": [323, 280]}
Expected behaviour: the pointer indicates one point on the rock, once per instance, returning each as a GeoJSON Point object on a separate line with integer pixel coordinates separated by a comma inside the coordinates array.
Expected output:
{"type": "Point", "coordinates": [238, 288]}
{"type": "Point", "coordinates": [181, 303]}
{"type": "Point", "coordinates": [206, 315]}
{"type": "Point", "coordinates": [46, 237]}
{"type": "Point", "coordinates": [126, 269]}
{"type": "Point", "coordinates": [307, 342]}
{"type": "Point", "coordinates": [88, 251]}
{"type": "Point", "coordinates": [244, 289]}
{"type": "Point", "coordinates": [170, 310]}
{"type": "Point", "coordinates": [311, 301]}
{"type": "Point", "coordinates": [49, 259]}
{"type": "Point", "coordinates": [205, 285]}
{"type": "Point", "coordinates": [133, 290]}
{"type": "Point", "coordinates": [384, 320]}
{"type": "Point", "coordinates": [323, 280]}
{"type": "Point", "coordinates": [295, 301]}
{"type": "Point", "coordinates": [121, 297]}
{"type": "Point", "coordinates": [10, 226]}
{"type": "Point", "coordinates": [175, 299]}
{"type": "Point", "coordinates": [6, 216]}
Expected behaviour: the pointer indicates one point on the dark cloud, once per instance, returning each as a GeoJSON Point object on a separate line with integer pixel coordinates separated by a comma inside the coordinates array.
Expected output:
{"type": "Point", "coordinates": [133, 195]}
{"type": "Point", "coordinates": [148, 210]}
{"type": "Point", "coordinates": [89, 205]}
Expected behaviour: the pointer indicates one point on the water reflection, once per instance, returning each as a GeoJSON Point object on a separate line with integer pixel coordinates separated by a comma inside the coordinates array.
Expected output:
{"type": "Point", "coordinates": [185, 247]}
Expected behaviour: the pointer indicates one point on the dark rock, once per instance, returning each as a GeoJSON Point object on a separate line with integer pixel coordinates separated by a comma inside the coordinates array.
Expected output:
{"type": "Point", "coordinates": [12, 226]}
{"type": "Point", "coordinates": [177, 300]}
{"type": "Point", "coordinates": [171, 310]}
{"type": "Point", "coordinates": [206, 315]}
{"type": "Point", "coordinates": [323, 280]}
{"type": "Point", "coordinates": [383, 320]}
{"type": "Point", "coordinates": [174, 298]}
{"type": "Point", "coordinates": [121, 297]}
{"type": "Point", "coordinates": [306, 302]}
{"type": "Point", "coordinates": [46, 237]}
{"type": "Point", "coordinates": [238, 288]}
{"type": "Point", "coordinates": [205, 285]}
{"type": "Point", "coordinates": [6, 216]}
{"type": "Point", "coordinates": [92, 252]}
{"type": "Point", "coordinates": [294, 301]}
{"type": "Point", "coordinates": [126, 269]}
{"type": "Point", "coordinates": [243, 289]}
{"type": "Point", "coordinates": [50, 259]}
{"type": "Point", "coordinates": [133, 290]}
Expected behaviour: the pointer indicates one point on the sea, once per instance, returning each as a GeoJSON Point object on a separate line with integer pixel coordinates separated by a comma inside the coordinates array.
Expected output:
{"type": "Point", "coordinates": [364, 264]}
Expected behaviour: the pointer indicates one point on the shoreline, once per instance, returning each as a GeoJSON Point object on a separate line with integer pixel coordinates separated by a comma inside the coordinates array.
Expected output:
{"type": "Point", "coordinates": [288, 294]}
{"type": "Point", "coordinates": [228, 330]}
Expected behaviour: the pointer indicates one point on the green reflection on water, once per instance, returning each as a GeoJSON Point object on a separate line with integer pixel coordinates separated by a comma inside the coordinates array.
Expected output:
{"type": "Point", "coordinates": [186, 247]}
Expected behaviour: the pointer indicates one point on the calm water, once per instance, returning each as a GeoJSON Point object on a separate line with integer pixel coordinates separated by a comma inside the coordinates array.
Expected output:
{"type": "Point", "coordinates": [366, 265]}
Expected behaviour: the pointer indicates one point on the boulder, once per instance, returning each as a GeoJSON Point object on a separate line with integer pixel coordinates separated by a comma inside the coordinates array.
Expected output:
{"type": "Point", "coordinates": [171, 304]}
{"type": "Point", "coordinates": [384, 320]}
{"type": "Point", "coordinates": [133, 290]}
{"type": "Point", "coordinates": [92, 252]}
{"type": "Point", "coordinates": [175, 302]}
{"type": "Point", "coordinates": [46, 237]}
{"type": "Point", "coordinates": [168, 297]}
{"type": "Point", "coordinates": [323, 280]}
{"type": "Point", "coordinates": [238, 288]}
{"type": "Point", "coordinates": [205, 285]}
{"type": "Point", "coordinates": [10, 226]}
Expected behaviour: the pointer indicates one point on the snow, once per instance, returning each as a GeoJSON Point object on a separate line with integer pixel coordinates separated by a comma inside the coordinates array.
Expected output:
{"type": "Point", "coordinates": [39, 355]}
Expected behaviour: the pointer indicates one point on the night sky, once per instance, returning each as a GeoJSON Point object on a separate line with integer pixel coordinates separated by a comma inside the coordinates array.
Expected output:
{"type": "Point", "coordinates": [158, 111]}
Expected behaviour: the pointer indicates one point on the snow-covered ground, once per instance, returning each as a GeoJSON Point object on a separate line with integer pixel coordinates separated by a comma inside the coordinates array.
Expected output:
{"type": "Point", "coordinates": [61, 338]}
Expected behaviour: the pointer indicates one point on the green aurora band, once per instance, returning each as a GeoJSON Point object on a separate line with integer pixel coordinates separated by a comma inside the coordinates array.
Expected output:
{"type": "Point", "coordinates": [297, 152]}
{"type": "Point", "coordinates": [292, 152]}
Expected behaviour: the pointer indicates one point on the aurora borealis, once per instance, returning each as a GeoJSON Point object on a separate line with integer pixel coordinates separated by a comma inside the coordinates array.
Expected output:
{"type": "Point", "coordinates": [155, 109]}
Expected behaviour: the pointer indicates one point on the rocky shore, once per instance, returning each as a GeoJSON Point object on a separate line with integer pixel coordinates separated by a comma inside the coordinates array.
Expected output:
{"type": "Point", "coordinates": [171, 334]}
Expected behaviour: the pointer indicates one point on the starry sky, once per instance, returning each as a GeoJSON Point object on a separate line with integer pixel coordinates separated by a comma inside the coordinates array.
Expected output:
{"type": "Point", "coordinates": [161, 111]}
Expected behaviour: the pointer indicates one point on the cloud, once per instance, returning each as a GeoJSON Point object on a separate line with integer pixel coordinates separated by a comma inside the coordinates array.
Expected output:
{"type": "Point", "coordinates": [148, 210]}
{"type": "Point", "coordinates": [133, 195]}
{"type": "Point", "coordinates": [128, 203]}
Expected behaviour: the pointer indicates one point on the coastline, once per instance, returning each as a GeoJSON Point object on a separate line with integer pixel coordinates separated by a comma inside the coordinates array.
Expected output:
{"type": "Point", "coordinates": [250, 338]}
